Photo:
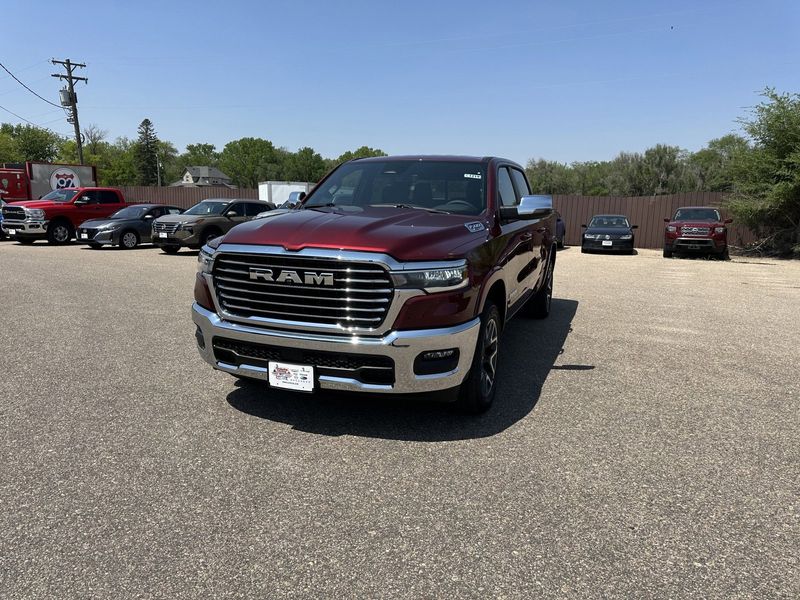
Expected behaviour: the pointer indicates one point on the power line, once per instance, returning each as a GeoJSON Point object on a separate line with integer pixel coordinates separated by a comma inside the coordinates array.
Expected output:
{"type": "Point", "coordinates": [27, 88]}
{"type": "Point", "coordinates": [11, 112]}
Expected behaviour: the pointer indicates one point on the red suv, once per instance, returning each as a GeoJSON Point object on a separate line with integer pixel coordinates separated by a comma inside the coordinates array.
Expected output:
{"type": "Point", "coordinates": [696, 230]}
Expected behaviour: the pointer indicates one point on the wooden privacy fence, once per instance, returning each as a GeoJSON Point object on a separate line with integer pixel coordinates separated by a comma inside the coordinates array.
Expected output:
{"type": "Point", "coordinates": [647, 212]}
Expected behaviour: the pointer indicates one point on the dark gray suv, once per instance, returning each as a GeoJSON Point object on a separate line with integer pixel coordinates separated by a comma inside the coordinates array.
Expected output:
{"type": "Point", "coordinates": [203, 222]}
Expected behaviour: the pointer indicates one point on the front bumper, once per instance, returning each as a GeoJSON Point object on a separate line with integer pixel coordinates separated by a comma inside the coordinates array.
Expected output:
{"type": "Point", "coordinates": [29, 228]}
{"type": "Point", "coordinates": [701, 245]}
{"type": "Point", "coordinates": [616, 245]}
{"type": "Point", "coordinates": [101, 237]}
{"type": "Point", "coordinates": [178, 238]}
{"type": "Point", "coordinates": [402, 347]}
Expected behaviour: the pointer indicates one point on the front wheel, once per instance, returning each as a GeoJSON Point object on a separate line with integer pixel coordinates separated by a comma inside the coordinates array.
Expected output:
{"type": "Point", "coordinates": [477, 392]}
{"type": "Point", "coordinates": [25, 241]}
{"type": "Point", "coordinates": [667, 253]}
{"type": "Point", "coordinates": [170, 249]}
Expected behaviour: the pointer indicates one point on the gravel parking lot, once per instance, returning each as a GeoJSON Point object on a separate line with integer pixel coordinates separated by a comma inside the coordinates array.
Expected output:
{"type": "Point", "coordinates": [645, 444]}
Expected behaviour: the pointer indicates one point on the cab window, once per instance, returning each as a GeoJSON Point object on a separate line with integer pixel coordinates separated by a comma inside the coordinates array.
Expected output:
{"type": "Point", "coordinates": [505, 188]}
{"type": "Point", "coordinates": [520, 184]}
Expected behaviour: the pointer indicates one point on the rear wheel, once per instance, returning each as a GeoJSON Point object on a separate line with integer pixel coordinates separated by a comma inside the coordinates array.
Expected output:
{"type": "Point", "coordinates": [59, 232]}
{"type": "Point", "coordinates": [538, 306]}
{"type": "Point", "coordinates": [129, 240]}
{"type": "Point", "coordinates": [170, 249]}
{"type": "Point", "coordinates": [477, 392]}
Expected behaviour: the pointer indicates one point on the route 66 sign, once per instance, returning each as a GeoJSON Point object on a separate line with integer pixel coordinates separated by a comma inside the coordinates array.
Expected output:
{"type": "Point", "coordinates": [64, 178]}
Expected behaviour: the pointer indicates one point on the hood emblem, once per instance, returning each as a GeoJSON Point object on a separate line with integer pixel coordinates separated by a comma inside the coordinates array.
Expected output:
{"type": "Point", "coordinates": [286, 276]}
{"type": "Point", "coordinates": [608, 237]}
{"type": "Point", "coordinates": [475, 226]}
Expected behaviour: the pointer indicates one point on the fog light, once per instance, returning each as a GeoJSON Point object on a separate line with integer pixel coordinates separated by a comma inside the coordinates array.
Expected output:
{"type": "Point", "coordinates": [436, 361]}
{"type": "Point", "coordinates": [201, 341]}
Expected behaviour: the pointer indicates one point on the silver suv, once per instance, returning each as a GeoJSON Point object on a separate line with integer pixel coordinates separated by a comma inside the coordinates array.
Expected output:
{"type": "Point", "coordinates": [203, 222]}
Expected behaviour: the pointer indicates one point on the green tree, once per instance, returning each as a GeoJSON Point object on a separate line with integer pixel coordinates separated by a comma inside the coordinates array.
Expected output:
{"type": "Point", "coordinates": [8, 149]}
{"type": "Point", "coordinates": [146, 154]}
{"type": "Point", "coordinates": [250, 160]}
{"type": "Point", "coordinates": [33, 143]}
{"type": "Point", "coordinates": [550, 177]}
{"type": "Point", "coordinates": [362, 152]}
{"type": "Point", "coordinates": [713, 165]}
{"type": "Point", "coordinates": [767, 177]}
{"type": "Point", "coordinates": [305, 165]}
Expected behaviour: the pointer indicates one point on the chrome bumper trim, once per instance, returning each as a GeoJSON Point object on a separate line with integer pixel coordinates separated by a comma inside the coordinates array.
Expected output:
{"type": "Point", "coordinates": [401, 346]}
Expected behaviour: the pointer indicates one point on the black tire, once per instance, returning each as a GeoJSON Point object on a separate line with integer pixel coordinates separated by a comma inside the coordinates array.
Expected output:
{"type": "Point", "coordinates": [725, 255]}
{"type": "Point", "coordinates": [476, 393]}
{"type": "Point", "coordinates": [583, 250]}
{"type": "Point", "coordinates": [60, 232]}
{"type": "Point", "coordinates": [170, 249]}
{"type": "Point", "coordinates": [560, 244]}
{"type": "Point", "coordinates": [209, 235]}
{"type": "Point", "coordinates": [128, 240]}
{"type": "Point", "coordinates": [25, 241]}
{"type": "Point", "coordinates": [95, 245]}
{"type": "Point", "coordinates": [667, 253]}
{"type": "Point", "coordinates": [538, 306]}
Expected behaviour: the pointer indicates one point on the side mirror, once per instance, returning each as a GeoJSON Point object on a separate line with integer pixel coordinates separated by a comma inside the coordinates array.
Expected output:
{"type": "Point", "coordinates": [584, 226]}
{"type": "Point", "coordinates": [667, 219]}
{"type": "Point", "coordinates": [728, 221]}
{"type": "Point", "coordinates": [529, 208]}
{"type": "Point", "coordinates": [634, 227]}
{"type": "Point", "coordinates": [231, 213]}
{"type": "Point", "coordinates": [301, 197]}
{"type": "Point", "coordinates": [147, 217]}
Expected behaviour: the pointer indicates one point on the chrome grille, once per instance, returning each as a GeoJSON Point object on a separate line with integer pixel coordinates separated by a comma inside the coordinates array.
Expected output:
{"type": "Point", "coordinates": [698, 231]}
{"type": "Point", "coordinates": [14, 213]}
{"type": "Point", "coordinates": [359, 296]}
{"type": "Point", "coordinates": [169, 228]}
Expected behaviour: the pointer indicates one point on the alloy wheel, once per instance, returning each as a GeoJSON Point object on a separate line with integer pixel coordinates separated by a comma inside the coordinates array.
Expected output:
{"type": "Point", "coordinates": [129, 240]}
{"type": "Point", "coordinates": [61, 233]}
{"type": "Point", "coordinates": [489, 362]}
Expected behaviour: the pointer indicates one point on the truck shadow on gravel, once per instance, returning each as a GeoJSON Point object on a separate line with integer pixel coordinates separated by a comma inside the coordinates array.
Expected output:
{"type": "Point", "coordinates": [529, 350]}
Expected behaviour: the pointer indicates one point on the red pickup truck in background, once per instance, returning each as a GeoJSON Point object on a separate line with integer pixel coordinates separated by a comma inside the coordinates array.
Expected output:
{"type": "Point", "coordinates": [57, 215]}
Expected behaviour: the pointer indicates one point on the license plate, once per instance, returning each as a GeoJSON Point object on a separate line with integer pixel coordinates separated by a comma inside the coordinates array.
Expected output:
{"type": "Point", "coordinates": [607, 242]}
{"type": "Point", "coordinates": [694, 246]}
{"type": "Point", "coordinates": [84, 236]}
{"type": "Point", "coordinates": [161, 234]}
{"type": "Point", "coordinates": [12, 232]}
{"type": "Point", "coordinates": [291, 377]}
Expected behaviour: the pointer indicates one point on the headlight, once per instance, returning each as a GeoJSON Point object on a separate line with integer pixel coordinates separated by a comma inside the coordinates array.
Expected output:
{"type": "Point", "coordinates": [187, 228]}
{"type": "Point", "coordinates": [626, 236]}
{"type": "Point", "coordinates": [204, 261]}
{"type": "Point", "coordinates": [672, 228]}
{"type": "Point", "coordinates": [437, 279]}
{"type": "Point", "coordinates": [719, 230]}
{"type": "Point", "coordinates": [589, 236]}
{"type": "Point", "coordinates": [34, 213]}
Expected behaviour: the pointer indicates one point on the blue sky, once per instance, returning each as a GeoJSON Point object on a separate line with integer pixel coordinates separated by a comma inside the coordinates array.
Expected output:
{"type": "Point", "coordinates": [567, 81]}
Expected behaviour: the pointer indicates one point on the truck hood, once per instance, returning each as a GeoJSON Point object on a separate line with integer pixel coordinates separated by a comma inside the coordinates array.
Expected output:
{"type": "Point", "coordinates": [405, 234]}
{"type": "Point", "coordinates": [37, 203]}
{"type": "Point", "coordinates": [185, 218]}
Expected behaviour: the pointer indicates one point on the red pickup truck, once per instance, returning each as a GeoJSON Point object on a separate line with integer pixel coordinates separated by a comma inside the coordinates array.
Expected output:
{"type": "Point", "coordinates": [56, 216]}
{"type": "Point", "coordinates": [394, 275]}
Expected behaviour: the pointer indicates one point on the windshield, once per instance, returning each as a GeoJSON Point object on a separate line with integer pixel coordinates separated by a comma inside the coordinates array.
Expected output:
{"type": "Point", "coordinates": [208, 207]}
{"type": "Point", "coordinates": [60, 195]}
{"type": "Point", "coordinates": [444, 186]}
{"type": "Point", "coordinates": [609, 221]}
{"type": "Point", "coordinates": [130, 212]}
{"type": "Point", "coordinates": [696, 214]}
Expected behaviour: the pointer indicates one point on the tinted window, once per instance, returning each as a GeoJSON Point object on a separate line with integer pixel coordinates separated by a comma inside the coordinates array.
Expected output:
{"type": "Point", "coordinates": [447, 186]}
{"type": "Point", "coordinates": [130, 212]}
{"type": "Point", "coordinates": [156, 212]}
{"type": "Point", "coordinates": [90, 197]}
{"type": "Point", "coordinates": [505, 189]}
{"type": "Point", "coordinates": [171, 210]}
{"type": "Point", "coordinates": [520, 183]}
{"type": "Point", "coordinates": [251, 209]}
{"type": "Point", "coordinates": [609, 221]}
{"type": "Point", "coordinates": [208, 207]}
{"type": "Point", "coordinates": [108, 197]}
{"type": "Point", "coordinates": [697, 214]}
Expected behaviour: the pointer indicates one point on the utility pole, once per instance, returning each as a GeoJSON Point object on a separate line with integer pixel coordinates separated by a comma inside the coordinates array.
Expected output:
{"type": "Point", "coordinates": [70, 98]}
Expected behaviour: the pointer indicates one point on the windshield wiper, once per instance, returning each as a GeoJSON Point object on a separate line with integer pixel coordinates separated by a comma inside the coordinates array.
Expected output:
{"type": "Point", "coordinates": [431, 210]}
{"type": "Point", "coordinates": [328, 205]}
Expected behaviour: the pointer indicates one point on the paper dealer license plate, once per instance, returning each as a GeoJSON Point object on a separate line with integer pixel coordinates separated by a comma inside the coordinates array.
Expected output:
{"type": "Point", "coordinates": [291, 377]}
{"type": "Point", "coordinates": [607, 242]}
{"type": "Point", "coordinates": [84, 236]}
{"type": "Point", "coordinates": [161, 234]}
{"type": "Point", "coordinates": [12, 232]}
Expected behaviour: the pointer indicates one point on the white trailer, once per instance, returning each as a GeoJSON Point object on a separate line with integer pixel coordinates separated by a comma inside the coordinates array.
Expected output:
{"type": "Point", "coordinates": [278, 192]}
